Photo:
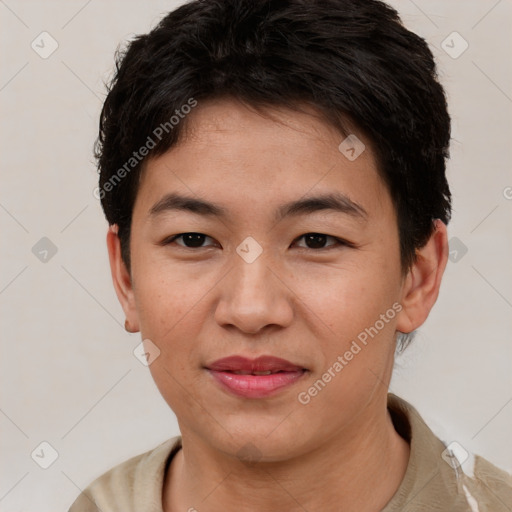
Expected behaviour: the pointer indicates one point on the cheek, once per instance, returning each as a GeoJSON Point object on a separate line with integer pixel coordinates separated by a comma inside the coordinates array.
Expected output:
{"type": "Point", "coordinates": [356, 347]}
{"type": "Point", "coordinates": [174, 301]}
{"type": "Point", "coordinates": [345, 299]}
{"type": "Point", "coordinates": [166, 295]}
{"type": "Point", "coordinates": [171, 314]}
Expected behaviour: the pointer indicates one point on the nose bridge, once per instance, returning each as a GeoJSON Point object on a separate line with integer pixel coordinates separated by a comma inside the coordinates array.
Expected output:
{"type": "Point", "coordinates": [251, 280]}
{"type": "Point", "coordinates": [253, 297]}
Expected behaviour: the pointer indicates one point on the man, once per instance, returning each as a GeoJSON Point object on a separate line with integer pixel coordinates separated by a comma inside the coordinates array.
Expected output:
{"type": "Point", "coordinates": [273, 174]}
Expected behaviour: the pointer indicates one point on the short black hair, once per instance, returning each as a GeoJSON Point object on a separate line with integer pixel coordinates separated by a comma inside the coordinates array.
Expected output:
{"type": "Point", "coordinates": [352, 60]}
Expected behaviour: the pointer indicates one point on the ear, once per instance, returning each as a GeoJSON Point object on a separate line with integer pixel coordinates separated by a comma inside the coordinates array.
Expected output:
{"type": "Point", "coordinates": [421, 285]}
{"type": "Point", "coordinates": [122, 279]}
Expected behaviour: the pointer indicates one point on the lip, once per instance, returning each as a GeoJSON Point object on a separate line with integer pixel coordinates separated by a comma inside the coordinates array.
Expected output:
{"type": "Point", "coordinates": [284, 374]}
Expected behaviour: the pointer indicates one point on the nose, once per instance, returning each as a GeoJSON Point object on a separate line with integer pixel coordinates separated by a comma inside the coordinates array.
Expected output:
{"type": "Point", "coordinates": [254, 298]}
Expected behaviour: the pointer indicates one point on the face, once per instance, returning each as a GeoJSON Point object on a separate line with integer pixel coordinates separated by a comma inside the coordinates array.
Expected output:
{"type": "Point", "coordinates": [292, 251]}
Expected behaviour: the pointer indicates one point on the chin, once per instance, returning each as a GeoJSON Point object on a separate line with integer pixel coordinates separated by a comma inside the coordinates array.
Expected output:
{"type": "Point", "coordinates": [253, 443]}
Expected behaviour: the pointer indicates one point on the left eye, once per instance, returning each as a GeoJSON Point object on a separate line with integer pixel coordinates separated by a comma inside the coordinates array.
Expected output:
{"type": "Point", "coordinates": [319, 241]}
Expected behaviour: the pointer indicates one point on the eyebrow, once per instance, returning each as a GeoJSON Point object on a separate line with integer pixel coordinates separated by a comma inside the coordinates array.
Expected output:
{"type": "Point", "coordinates": [335, 201]}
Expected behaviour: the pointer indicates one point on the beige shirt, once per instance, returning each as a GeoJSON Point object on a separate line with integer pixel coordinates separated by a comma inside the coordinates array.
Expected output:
{"type": "Point", "coordinates": [434, 480]}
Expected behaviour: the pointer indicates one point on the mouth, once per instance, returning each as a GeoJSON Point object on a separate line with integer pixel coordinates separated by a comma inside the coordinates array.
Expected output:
{"type": "Point", "coordinates": [255, 378]}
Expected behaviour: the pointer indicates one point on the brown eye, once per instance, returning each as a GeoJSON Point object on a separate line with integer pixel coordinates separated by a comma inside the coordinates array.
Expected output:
{"type": "Point", "coordinates": [318, 241]}
{"type": "Point", "coordinates": [190, 240]}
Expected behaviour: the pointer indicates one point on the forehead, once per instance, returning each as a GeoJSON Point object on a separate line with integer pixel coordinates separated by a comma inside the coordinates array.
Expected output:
{"type": "Point", "coordinates": [230, 151]}
{"type": "Point", "coordinates": [221, 121]}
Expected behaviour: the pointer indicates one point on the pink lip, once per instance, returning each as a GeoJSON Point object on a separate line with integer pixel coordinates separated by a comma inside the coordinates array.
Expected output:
{"type": "Point", "coordinates": [255, 386]}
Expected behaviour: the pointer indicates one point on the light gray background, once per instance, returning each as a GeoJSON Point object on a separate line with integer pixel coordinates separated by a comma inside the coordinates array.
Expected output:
{"type": "Point", "coordinates": [68, 374]}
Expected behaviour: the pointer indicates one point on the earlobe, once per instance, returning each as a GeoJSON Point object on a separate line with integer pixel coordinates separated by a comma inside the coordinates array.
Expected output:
{"type": "Point", "coordinates": [121, 279]}
{"type": "Point", "coordinates": [422, 283]}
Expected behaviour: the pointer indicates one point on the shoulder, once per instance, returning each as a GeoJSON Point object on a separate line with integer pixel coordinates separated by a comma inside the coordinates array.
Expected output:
{"type": "Point", "coordinates": [489, 486]}
{"type": "Point", "coordinates": [131, 485]}
{"type": "Point", "coordinates": [441, 477]}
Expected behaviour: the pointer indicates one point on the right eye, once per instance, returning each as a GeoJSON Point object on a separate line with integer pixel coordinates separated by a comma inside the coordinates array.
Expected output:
{"type": "Point", "coordinates": [189, 240]}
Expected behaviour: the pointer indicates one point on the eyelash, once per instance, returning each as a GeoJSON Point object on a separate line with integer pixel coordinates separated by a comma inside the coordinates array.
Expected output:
{"type": "Point", "coordinates": [339, 241]}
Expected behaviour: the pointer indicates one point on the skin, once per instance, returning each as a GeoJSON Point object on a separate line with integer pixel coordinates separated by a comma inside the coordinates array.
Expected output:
{"type": "Point", "coordinates": [306, 305]}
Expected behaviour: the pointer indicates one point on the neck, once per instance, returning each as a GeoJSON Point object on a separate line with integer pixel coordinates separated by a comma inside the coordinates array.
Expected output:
{"type": "Point", "coordinates": [359, 469]}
